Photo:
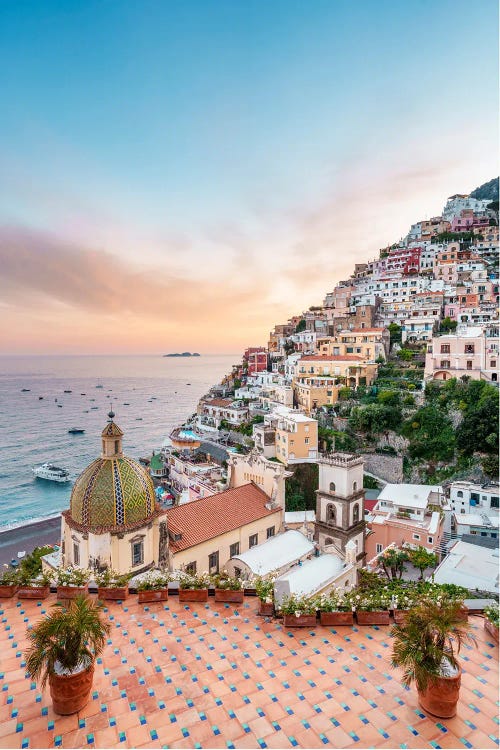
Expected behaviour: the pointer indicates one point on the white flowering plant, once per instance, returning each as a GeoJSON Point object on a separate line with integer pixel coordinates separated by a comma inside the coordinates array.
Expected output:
{"type": "Point", "coordinates": [299, 605]}
{"type": "Point", "coordinates": [369, 601]}
{"type": "Point", "coordinates": [491, 613]}
{"type": "Point", "coordinates": [72, 576]}
{"type": "Point", "coordinates": [224, 581]}
{"type": "Point", "coordinates": [194, 580]}
{"type": "Point", "coordinates": [335, 601]}
{"type": "Point", "coordinates": [155, 580]}
{"type": "Point", "coordinates": [264, 587]}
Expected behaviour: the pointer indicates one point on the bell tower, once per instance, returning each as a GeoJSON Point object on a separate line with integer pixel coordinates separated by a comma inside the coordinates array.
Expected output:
{"type": "Point", "coordinates": [111, 439]}
{"type": "Point", "coordinates": [340, 503]}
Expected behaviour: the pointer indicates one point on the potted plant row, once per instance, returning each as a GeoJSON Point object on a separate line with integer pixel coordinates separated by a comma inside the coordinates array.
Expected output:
{"type": "Point", "coordinates": [112, 585]}
{"type": "Point", "coordinates": [193, 587]}
{"type": "Point", "coordinates": [264, 588]}
{"type": "Point", "coordinates": [335, 609]}
{"type": "Point", "coordinates": [299, 611]}
{"type": "Point", "coordinates": [62, 650]}
{"type": "Point", "coordinates": [371, 607]}
{"type": "Point", "coordinates": [153, 587]}
{"type": "Point", "coordinates": [426, 646]}
{"type": "Point", "coordinates": [491, 621]}
{"type": "Point", "coordinates": [29, 587]}
{"type": "Point", "coordinates": [9, 580]}
{"type": "Point", "coordinates": [72, 582]}
{"type": "Point", "coordinates": [227, 588]}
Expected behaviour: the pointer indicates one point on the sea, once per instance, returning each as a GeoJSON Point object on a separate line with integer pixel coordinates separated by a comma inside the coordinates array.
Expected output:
{"type": "Point", "coordinates": [149, 395]}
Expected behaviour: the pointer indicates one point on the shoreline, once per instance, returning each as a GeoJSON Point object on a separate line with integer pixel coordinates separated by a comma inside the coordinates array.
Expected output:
{"type": "Point", "coordinates": [29, 536]}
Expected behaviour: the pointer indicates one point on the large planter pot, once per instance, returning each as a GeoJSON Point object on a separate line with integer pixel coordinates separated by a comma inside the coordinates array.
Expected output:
{"type": "Point", "coordinates": [302, 621]}
{"type": "Point", "coordinates": [266, 609]}
{"type": "Point", "coordinates": [491, 629]}
{"type": "Point", "coordinates": [157, 595]}
{"type": "Point", "coordinates": [71, 592]}
{"type": "Point", "coordinates": [336, 618]}
{"type": "Point", "coordinates": [7, 590]}
{"type": "Point", "coordinates": [112, 593]}
{"type": "Point", "coordinates": [33, 592]}
{"type": "Point", "coordinates": [375, 617]}
{"type": "Point", "coordinates": [399, 615]}
{"type": "Point", "coordinates": [227, 595]}
{"type": "Point", "coordinates": [441, 697]}
{"type": "Point", "coordinates": [193, 595]}
{"type": "Point", "coordinates": [464, 614]}
{"type": "Point", "coordinates": [70, 693]}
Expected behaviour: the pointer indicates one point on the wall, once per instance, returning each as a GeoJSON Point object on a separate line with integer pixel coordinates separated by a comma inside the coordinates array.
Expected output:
{"type": "Point", "coordinates": [388, 468]}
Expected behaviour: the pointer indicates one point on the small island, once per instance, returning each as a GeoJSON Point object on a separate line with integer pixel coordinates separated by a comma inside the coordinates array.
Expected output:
{"type": "Point", "coordinates": [183, 354]}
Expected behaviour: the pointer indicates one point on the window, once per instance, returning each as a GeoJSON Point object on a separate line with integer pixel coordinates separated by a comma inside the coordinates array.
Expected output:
{"type": "Point", "coordinates": [137, 552]}
{"type": "Point", "coordinates": [354, 486]}
{"type": "Point", "coordinates": [306, 441]}
{"type": "Point", "coordinates": [416, 536]}
{"type": "Point", "coordinates": [493, 363]}
{"type": "Point", "coordinates": [237, 572]}
{"type": "Point", "coordinates": [430, 540]}
{"type": "Point", "coordinates": [379, 549]}
{"type": "Point", "coordinates": [494, 502]}
{"type": "Point", "coordinates": [460, 493]}
{"type": "Point", "coordinates": [355, 513]}
{"type": "Point", "coordinates": [253, 540]}
{"type": "Point", "coordinates": [469, 349]}
{"type": "Point", "coordinates": [213, 562]}
{"type": "Point", "coordinates": [191, 568]}
{"type": "Point", "coordinates": [330, 513]}
{"type": "Point", "coordinates": [445, 363]}
{"type": "Point", "coordinates": [445, 348]}
{"type": "Point", "coordinates": [76, 553]}
{"type": "Point", "coordinates": [469, 364]}
{"type": "Point", "coordinates": [117, 446]}
{"type": "Point", "coordinates": [270, 532]}
{"type": "Point", "coordinates": [332, 486]}
{"type": "Point", "coordinates": [234, 549]}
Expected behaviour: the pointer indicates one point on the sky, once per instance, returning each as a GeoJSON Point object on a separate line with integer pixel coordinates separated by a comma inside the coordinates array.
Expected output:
{"type": "Point", "coordinates": [187, 174]}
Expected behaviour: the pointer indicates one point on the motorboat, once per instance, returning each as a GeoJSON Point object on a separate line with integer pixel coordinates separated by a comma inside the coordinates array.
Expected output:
{"type": "Point", "coordinates": [40, 398]}
{"type": "Point", "coordinates": [76, 431]}
{"type": "Point", "coordinates": [51, 472]}
{"type": "Point", "coordinates": [68, 391]}
{"type": "Point", "coordinates": [25, 390]}
{"type": "Point", "coordinates": [99, 386]}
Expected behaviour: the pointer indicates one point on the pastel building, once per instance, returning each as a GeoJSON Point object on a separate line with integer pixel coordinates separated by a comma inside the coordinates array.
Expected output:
{"type": "Point", "coordinates": [296, 435]}
{"type": "Point", "coordinates": [471, 351]}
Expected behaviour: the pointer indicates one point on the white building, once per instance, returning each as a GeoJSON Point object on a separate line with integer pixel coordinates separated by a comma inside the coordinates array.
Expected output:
{"type": "Point", "coordinates": [278, 553]}
{"type": "Point", "coordinates": [466, 497]}
{"type": "Point", "coordinates": [471, 566]}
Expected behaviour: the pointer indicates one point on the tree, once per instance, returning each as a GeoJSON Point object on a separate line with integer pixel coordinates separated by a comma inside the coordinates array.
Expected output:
{"type": "Point", "coordinates": [301, 326]}
{"type": "Point", "coordinates": [431, 434]}
{"type": "Point", "coordinates": [422, 559]}
{"type": "Point", "coordinates": [405, 354]}
{"type": "Point", "coordinates": [295, 500]}
{"type": "Point", "coordinates": [392, 562]}
{"type": "Point", "coordinates": [490, 466]}
{"type": "Point", "coordinates": [375, 418]}
{"type": "Point", "coordinates": [448, 324]}
{"type": "Point", "coordinates": [478, 430]}
{"type": "Point", "coordinates": [395, 332]}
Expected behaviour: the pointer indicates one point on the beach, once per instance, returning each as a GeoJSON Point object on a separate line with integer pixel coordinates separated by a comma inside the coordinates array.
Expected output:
{"type": "Point", "coordinates": [29, 536]}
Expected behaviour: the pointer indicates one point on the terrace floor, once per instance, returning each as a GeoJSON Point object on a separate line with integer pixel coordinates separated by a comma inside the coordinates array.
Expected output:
{"type": "Point", "coordinates": [205, 676]}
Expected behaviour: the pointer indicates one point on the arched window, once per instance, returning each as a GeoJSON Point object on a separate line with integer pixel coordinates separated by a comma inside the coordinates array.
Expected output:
{"type": "Point", "coordinates": [354, 486]}
{"type": "Point", "coordinates": [330, 512]}
{"type": "Point", "coordinates": [332, 486]}
{"type": "Point", "coordinates": [328, 541]}
{"type": "Point", "coordinates": [460, 493]}
{"type": "Point", "coordinates": [355, 513]}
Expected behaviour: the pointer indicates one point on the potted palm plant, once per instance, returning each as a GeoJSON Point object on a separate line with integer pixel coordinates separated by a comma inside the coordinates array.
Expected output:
{"type": "Point", "coordinates": [72, 582]}
{"type": "Point", "coordinates": [112, 585]}
{"type": "Point", "coordinates": [335, 609]}
{"type": "Point", "coordinates": [264, 588]}
{"type": "Point", "coordinates": [62, 650]}
{"type": "Point", "coordinates": [9, 579]}
{"type": "Point", "coordinates": [372, 607]}
{"type": "Point", "coordinates": [37, 587]}
{"type": "Point", "coordinates": [491, 620]}
{"type": "Point", "coordinates": [153, 587]}
{"type": "Point", "coordinates": [426, 646]}
{"type": "Point", "coordinates": [227, 588]}
{"type": "Point", "coordinates": [193, 587]}
{"type": "Point", "coordinates": [299, 611]}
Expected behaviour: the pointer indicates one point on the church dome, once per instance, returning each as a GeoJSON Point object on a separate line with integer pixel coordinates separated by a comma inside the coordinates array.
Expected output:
{"type": "Point", "coordinates": [113, 491]}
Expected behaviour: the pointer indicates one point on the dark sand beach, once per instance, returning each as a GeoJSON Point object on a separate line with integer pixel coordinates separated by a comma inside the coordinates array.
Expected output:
{"type": "Point", "coordinates": [28, 537]}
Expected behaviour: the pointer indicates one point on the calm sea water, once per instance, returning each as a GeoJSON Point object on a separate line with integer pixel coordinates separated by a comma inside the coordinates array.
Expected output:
{"type": "Point", "coordinates": [34, 431]}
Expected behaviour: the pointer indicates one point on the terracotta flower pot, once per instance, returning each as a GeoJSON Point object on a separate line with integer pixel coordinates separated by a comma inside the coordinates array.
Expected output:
{"type": "Point", "coordinates": [399, 615]}
{"type": "Point", "coordinates": [112, 593]}
{"type": "Point", "coordinates": [228, 595]}
{"type": "Point", "coordinates": [193, 595]}
{"type": "Point", "coordinates": [464, 614]}
{"type": "Point", "coordinates": [70, 693]}
{"type": "Point", "coordinates": [375, 617]}
{"type": "Point", "coordinates": [302, 621]}
{"type": "Point", "coordinates": [336, 618]}
{"type": "Point", "coordinates": [33, 592]}
{"type": "Point", "coordinates": [71, 592]}
{"type": "Point", "coordinates": [491, 629]}
{"type": "Point", "coordinates": [7, 590]}
{"type": "Point", "coordinates": [266, 609]}
{"type": "Point", "coordinates": [441, 697]}
{"type": "Point", "coordinates": [158, 595]}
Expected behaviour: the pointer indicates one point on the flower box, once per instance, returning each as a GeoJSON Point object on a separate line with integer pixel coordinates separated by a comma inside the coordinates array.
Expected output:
{"type": "Point", "coordinates": [33, 592]}
{"type": "Point", "coordinates": [193, 595]}
{"type": "Point", "coordinates": [491, 628]}
{"type": "Point", "coordinates": [7, 590]}
{"type": "Point", "coordinates": [119, 592]}
{"type": "Point", "coordinates": [373, 617]}
{"type": "Point", "coordinates": [229, 595]}
{"type": "Point", "coordinates": [71, 592]}
{"type": "Point", "coordinates": [302, 621]}
{"type": "Point", "coordinates": [336, 618]}
{"type": "Point", "coordinates": [399, 615]}
{"type": "Point", "coordinates": [152, 595]}
{"type": "Point", "coordinates": [266, 609]}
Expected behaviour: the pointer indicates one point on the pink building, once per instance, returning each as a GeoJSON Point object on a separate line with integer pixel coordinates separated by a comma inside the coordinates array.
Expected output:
{"type": "Point", "coordinates": [256, 358]}
{"type": "Point", "coordinates": [471, 351]}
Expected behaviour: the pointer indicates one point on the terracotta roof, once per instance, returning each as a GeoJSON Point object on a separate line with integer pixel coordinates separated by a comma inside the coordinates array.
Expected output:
{"type": "Point", "coordinates": [208, 517]}
{"type": "Point", "coordinates": [365, 330]}
{"type": "Point", "coordinates": [111, 430]}
{"type": "Point", "coordinates": [330, 358]}
{"type": "Point", "coordinates": [223, 402]}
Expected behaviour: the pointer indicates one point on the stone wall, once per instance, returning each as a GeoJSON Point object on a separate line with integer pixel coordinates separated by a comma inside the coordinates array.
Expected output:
{"type": "Point", "coordinates": [388, 468]}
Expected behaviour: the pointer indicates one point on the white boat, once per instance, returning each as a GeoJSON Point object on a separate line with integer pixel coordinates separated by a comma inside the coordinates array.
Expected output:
{"type": "Point", "coordinates": [49, 471]}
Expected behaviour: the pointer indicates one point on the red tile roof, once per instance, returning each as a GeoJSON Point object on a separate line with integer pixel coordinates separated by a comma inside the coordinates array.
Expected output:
{"type": "Point", "coordinates": [222, 402]}
{"type": "Point", "coordinates": [208, 517]}
{"type": "Point", "coordinates": [330, 358]}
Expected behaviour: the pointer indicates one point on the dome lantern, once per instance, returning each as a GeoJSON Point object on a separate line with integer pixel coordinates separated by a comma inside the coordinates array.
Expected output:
{"type": "Point", "coordinates": [112, 439]}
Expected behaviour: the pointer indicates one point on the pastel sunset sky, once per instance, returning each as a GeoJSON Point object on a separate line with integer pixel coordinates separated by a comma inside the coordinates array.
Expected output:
{"type": "Point", "coordinates": [185, 174]}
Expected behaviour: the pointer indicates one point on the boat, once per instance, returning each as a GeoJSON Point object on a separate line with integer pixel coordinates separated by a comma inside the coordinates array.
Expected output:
{"type": "Point", "coordinates": [51, 472]}
{"type": "Point", "coordinates": [59, 406]}
{"type": "Point", "coordinates": [126, 403]}
{"type": "Point", "coordinates": [99, 386]}
{"type": "Point", "coordinates": [94, 407]}
{"type": "Point", "coordinates": [138, 419]}
{"type": "Point", "coordinates": [25, 390]}
{"type": "Point", "coordinates": [68, 391]}
{"type": "Point", "coordinates": [40, 398]}
{"type": "Point", "coordinates": [76, 431]}
{"type": "Point", "coordinates": [92, 399]}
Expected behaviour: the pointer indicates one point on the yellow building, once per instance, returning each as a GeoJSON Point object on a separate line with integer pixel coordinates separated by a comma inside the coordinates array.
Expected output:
{"type": "Point", "coordinates": [114, 520]}
{"type": "Point", "coordinates": [351, 370]}
{"type": "Point", "coordinates": [367, 343]}
{"type": "Point", "coordinates": [313, 392]}
{"type": "Point", "coordinates": [296, 435]}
